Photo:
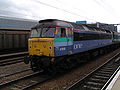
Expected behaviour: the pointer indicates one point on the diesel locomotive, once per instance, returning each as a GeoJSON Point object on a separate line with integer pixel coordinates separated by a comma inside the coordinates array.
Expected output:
{"type": "Point", "coordinates": [54, 43]}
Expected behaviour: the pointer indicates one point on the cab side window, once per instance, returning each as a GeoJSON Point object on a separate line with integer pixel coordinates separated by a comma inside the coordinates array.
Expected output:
{"type": "Point", "coordinates": [69, 32]}
{"type": "Point", "coordinates": [62, 32]}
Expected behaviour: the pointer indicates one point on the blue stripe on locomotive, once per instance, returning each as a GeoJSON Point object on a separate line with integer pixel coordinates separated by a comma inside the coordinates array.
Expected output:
{"type": "Point", "coordinates": [80, 46]}
{"type": "Point", "coordinates": [62, 48]}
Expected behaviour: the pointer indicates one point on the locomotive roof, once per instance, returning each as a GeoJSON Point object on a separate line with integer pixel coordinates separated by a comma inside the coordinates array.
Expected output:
{"type": "Point", "coordinates": [53, 22]}
{"type": "Point", "coordinates": [56, 22]}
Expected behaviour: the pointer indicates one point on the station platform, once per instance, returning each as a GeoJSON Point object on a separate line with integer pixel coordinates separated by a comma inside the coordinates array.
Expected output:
{"type": "Point", "coordinates": [115, 83]}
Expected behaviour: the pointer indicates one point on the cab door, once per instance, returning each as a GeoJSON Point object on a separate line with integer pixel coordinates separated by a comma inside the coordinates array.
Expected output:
{"type": "Point", "coordinates": [69, 40]}
{"type": "Point", "coordinates": [63, 41]}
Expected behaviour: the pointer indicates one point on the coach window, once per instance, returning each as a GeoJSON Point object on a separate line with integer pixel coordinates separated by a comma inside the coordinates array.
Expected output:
{"type": "Point", "coordinates": [61, 32]}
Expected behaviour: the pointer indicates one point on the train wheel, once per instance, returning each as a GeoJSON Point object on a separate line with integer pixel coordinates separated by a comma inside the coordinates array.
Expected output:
{"type": "Point", "coordinates": [68, 63]}
{"type": "Point", "coordinates": [33, 66]}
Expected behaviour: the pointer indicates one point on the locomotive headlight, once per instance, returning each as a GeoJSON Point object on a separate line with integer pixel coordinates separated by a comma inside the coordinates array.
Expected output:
{"type": "Point", "coordinates": [50, 47]}
{"type": "Point", "coordinates": [40, 53]}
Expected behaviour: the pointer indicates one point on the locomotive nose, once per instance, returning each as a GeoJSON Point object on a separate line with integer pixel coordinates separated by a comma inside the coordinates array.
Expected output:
{"type": "Point", "coordinates": [41, 47]}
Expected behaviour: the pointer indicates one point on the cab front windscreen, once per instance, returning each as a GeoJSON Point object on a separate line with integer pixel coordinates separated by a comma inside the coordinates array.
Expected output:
{"type": "Point", "coordinates": [43, 32]}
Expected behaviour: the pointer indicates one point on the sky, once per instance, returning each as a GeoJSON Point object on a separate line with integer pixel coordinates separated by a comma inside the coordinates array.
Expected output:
{"type": "Point", "coordinates": [104, 11]}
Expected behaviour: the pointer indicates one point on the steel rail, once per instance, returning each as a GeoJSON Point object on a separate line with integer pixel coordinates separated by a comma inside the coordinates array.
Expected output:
{"type": "Point", "coordinates": [108, 82]}
{"type": "Point", "coordinates": [12, 58]}
{"type": "Point", "coordinates": [90, 74]}
{"type": "Point", "coordinates": [22, 78]}
{"type": "Point", "coordinates": [13, 54]}
{"type": "Point", "coordinates": [35, 84]}
{"type": "Point", "coordinates": [11, 61]}
{"type": "Point", "coordinates": [7, 75]}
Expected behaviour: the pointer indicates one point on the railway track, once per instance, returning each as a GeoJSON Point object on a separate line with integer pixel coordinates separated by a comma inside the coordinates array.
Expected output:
{"type": "Point", "coordinates": [25, 82]}
{"type": "Point", "coordinates": [14, 73]}
{"type": "Point", "coordinates": [8, 77]}
{"type": "Point", "coordinates": [12, 58]}
{"type": "Point", "coordinates": [100, 77]}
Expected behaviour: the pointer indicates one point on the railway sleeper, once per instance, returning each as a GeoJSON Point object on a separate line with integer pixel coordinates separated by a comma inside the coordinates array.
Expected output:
{"type": "Point", "coordinates": [101, 77]}
{"type": "Point", "coordinates": [89, 87]}
{"type": "Point", "coordinates": [97, 80]}
{"type": "Point", "coordinates": [108, 69]}
{"type": "Point", "coordinates": [102, 74]}
{"type": "Point", "coordinates": [105, 72]}
{"type": "Point", "coordinates": [92, 83]}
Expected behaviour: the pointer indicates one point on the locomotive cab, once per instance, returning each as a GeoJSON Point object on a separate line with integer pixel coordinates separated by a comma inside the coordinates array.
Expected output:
{"type": "Point", "coordinates": [41, 41]}
{"type": "Point", "coordinates": [48, 41]}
